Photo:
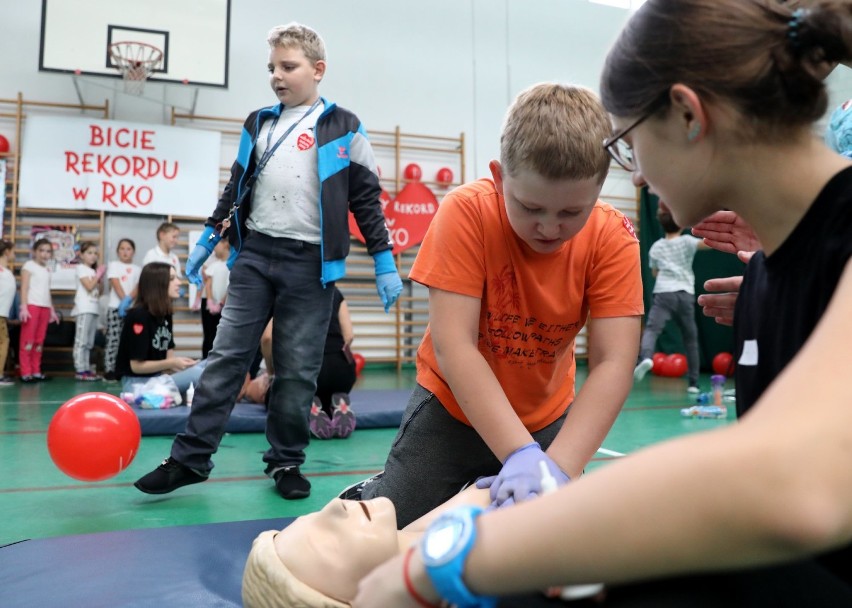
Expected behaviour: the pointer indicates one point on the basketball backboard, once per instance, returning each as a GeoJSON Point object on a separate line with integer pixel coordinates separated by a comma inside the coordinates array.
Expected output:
{"type": "Point", "coordinates": [193, 35]}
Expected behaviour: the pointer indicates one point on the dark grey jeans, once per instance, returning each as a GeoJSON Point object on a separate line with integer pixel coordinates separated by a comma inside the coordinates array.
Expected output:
{"type": "Point", "coordinates": [277, 277]}
{"type": "Point", "coordinates": [434, 456]}
{"type": "Point", "coordinates": [679, 305]}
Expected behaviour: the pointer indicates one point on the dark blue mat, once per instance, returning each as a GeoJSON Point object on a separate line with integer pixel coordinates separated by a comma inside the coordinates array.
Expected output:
{"type": "Point", "coordinates": [184, 566]}
{"type": "Point", "coordinates": [178, 566]}
{"type": "Point", "coordinates": [373, 409]}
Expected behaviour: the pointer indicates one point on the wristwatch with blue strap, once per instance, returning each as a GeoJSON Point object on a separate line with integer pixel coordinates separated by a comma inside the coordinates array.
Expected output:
{"type": "Point", "coordinates": [444, 548]}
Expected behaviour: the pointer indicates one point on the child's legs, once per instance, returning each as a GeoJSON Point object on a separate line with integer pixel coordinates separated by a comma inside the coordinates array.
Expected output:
{"type": "Point", "coordinates": [32, 340]}
{"type": "Point", "coordinates": [250, 299]}
{"type": "Point", "coordinates": [337, 375]}
{"type": "Point", "coordinates": [300, 325]}
{"type": "Point", "coordinates": [209, 325]}
{"type": "Point", "coordinates": [114, 325]}
{"type": "Point", "coordinates": [661, 312]}
{"type": "Point", "coordinates": [685, 319]}
{"type": "Point", "coordinates": [432, 457]}
{"type": "Point", "coordinates": [84, 340]}
{"type": "Point", "coordinates": [4, 345]}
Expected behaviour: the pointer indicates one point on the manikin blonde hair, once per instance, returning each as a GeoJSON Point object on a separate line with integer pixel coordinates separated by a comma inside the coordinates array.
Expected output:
{"type": "Point", "coordinates": [556, 130]}
{"type": "Point", "coordinates": [296, 35]}
{"type": "Point", "coordinates": [268, 583]}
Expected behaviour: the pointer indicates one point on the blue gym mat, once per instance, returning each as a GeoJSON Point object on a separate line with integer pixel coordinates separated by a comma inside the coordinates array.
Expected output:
{"type": "Point", "coordinates": [198, 566]}
{"type": "Point", "coordinates": [373, 409]}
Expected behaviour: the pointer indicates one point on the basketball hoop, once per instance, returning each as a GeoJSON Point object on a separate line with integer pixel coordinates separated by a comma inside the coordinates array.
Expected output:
{"type": "Point", "coordinates": [136, 61]}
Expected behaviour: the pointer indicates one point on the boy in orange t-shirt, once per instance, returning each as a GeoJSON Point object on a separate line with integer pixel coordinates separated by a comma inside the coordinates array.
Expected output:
{"type": "Point", "coordinates": [515, 267]}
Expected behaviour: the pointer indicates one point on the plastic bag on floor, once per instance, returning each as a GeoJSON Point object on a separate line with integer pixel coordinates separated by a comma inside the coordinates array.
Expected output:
{"type": "Point", "coordinates": [155, 393]}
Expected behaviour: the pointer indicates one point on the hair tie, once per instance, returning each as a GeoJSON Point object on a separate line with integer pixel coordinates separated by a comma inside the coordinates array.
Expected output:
{"type": "Point", "coordinates": [793, 27]}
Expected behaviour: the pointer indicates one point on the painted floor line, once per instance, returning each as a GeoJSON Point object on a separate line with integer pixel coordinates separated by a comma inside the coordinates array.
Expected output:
{"type": "Point", "coordinates": [610, 452]}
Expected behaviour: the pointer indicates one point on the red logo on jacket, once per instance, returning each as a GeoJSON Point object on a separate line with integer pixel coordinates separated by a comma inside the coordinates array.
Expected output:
{"type": "Point", "coordinates": [137, 328]}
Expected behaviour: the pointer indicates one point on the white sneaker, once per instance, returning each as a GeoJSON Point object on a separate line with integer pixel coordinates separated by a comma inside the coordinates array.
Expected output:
{"type": "Point", "coordinates": [645, 365]}
{"type": "Point", "coordinates": [692, 390]}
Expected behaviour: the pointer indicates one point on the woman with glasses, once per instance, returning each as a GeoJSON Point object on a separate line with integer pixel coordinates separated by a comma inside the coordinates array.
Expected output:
{"type": "Point", "coordinates": [758, 513]}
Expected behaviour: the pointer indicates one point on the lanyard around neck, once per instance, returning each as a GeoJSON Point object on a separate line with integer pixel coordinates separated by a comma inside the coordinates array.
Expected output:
{"type": "Point", "coordinates": [271, 150]}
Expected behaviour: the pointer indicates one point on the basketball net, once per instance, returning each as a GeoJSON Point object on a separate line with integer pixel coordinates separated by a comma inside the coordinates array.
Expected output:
{"type": "Point", "coordinates": [136, 61]}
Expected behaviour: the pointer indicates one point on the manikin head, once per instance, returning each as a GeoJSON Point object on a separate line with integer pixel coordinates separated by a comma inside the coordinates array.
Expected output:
{"type": "Point", "coordinates": [319, 559]}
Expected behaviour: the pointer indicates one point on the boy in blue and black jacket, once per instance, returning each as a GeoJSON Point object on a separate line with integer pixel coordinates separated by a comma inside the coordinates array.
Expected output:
{"type": "Point", "coordinates": [301, 165]}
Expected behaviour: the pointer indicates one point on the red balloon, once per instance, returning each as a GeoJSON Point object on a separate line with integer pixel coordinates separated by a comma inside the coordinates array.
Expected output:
{"type": "Point", "coordinates": [359, 362]}
{"type": "Point", "coordinates": [93, 436]}
{"type": "Point", "coordinates": [412, 172]}
{"type": "Point", "coordinates": [4, 144]}
{"type": "Point", "coordinates": [677, 365]}
{"type": "Point", "coordinates": [658, 359]}
{"type": "Point", "coordinates": [444, 176]}
{"type": "Point", "coordinates": [723, 364]}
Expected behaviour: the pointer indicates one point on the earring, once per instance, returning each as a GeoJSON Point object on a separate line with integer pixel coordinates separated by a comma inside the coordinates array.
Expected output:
{"type": "Point", "coordinates": [694, 132]}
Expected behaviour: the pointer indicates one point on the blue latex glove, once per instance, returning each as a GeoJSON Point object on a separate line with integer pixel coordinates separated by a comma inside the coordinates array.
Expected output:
{"type": "Point", "coordinates": [520, 477]}
{"type": "Point", "coordinates": [125, 303]}
{"type": "Point", "coordinates": [388, 283]}
{"type": "Point", "coordinates": [203, 249]}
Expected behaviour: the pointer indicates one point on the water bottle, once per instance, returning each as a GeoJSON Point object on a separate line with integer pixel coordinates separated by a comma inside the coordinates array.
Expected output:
{"type": "Point", "coordinates": [704, 411]}
{"type": "Point", "coordinates": [718, 383]}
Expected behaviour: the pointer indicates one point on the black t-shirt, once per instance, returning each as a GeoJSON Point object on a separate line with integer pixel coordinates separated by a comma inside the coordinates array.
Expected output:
{"type": "Point", "coordinates": [334, 340]}
{"type": "Point", "coordinates": [144, 337]}
{"type": "Point", "coordinates": [783, 297]}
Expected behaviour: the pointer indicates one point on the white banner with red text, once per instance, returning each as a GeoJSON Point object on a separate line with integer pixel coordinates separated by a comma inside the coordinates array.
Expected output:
{"type": "Point", "coordinates": [83, 163]}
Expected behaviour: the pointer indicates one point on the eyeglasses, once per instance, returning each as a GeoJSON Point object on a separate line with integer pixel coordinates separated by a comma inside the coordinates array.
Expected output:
{"type": "Point", "coordinates": [620, 150]}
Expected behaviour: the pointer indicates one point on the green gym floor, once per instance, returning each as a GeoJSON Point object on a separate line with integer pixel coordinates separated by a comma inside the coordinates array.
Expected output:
{"type": "Point", "coordinates": [37, 500]}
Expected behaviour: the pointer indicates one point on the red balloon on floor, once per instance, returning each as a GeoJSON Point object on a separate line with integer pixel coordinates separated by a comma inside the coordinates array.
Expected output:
{"type": "Point", "coordinates": [658, 359]}
{"type": "Point", "coordinates": [93, 436]}
{"type": "Point", "coordinates": [723, 364]}
{"type": "Point", "coordinates": [677, 365]}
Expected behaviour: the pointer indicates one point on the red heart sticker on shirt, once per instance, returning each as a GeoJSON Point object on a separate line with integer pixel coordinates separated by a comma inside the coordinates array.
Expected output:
{"type": "Point", "coordinates": [305, 141]}
{"type": "Point", "coordinates": [137, 328]}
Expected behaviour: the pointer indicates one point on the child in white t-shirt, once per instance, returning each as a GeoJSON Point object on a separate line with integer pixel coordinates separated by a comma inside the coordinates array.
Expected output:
{"type": "Point", "coordinates": [167, 237]}
{"type": "Point", "coordinates": [123, 277]}
{"type": "Point", "coordinates": [86, 310]}
{"type": "Point", "coordinates": [36, 311]}
{"type": "Point", "coordinates": [8, 287]}
{"type": "Point", "coordinates": [216, 279]}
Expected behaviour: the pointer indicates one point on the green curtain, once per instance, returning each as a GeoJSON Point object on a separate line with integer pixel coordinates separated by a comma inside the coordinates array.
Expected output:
{"type": "Point", "coordinates": [712, 337]}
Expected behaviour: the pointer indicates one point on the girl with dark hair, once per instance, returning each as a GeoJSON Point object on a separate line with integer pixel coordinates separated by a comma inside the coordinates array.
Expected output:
{"type": "Point", "coordinates": [146, 348]}
{"type": "Point", "coordinates": [713, 103]}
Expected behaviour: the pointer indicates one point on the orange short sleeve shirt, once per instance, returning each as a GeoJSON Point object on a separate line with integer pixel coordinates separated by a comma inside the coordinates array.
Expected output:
{"type": "Point", "coordinates": [533, 305]}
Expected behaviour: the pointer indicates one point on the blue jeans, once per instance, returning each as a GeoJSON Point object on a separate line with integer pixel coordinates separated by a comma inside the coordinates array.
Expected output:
{"type": "Point", "coordinates": [274, 277]}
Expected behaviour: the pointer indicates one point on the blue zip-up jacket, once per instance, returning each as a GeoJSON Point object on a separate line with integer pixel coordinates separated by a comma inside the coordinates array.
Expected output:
{"type": "Point", "coordinates": [348, 179]}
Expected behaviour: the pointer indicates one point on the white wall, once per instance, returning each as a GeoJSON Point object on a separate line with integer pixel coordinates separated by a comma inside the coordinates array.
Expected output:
{"type": "Point", "coordinates": [441, 67]}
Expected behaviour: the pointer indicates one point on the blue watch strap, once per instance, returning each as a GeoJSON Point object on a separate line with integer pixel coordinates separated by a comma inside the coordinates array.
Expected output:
{"type": "Point", "coordinates": [445, 562]}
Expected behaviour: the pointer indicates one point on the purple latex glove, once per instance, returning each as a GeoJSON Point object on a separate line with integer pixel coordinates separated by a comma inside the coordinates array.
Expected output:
{"type": "Point", "coordinates": [520, 477]}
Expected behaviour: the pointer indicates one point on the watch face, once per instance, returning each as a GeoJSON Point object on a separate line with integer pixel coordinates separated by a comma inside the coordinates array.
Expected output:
{"type": "Point", "coordinates": [444, 540]}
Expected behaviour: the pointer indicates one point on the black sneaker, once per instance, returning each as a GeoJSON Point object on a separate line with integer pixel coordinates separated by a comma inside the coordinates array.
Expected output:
{"type": "Point", "coordinates": [291, 484]}
{"type": "Point", "coordinates": [167, 477]}
{"type": "Point", "coordinates": [354, 491]}
{"type": "Point", "coordinates": [39, 378]}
